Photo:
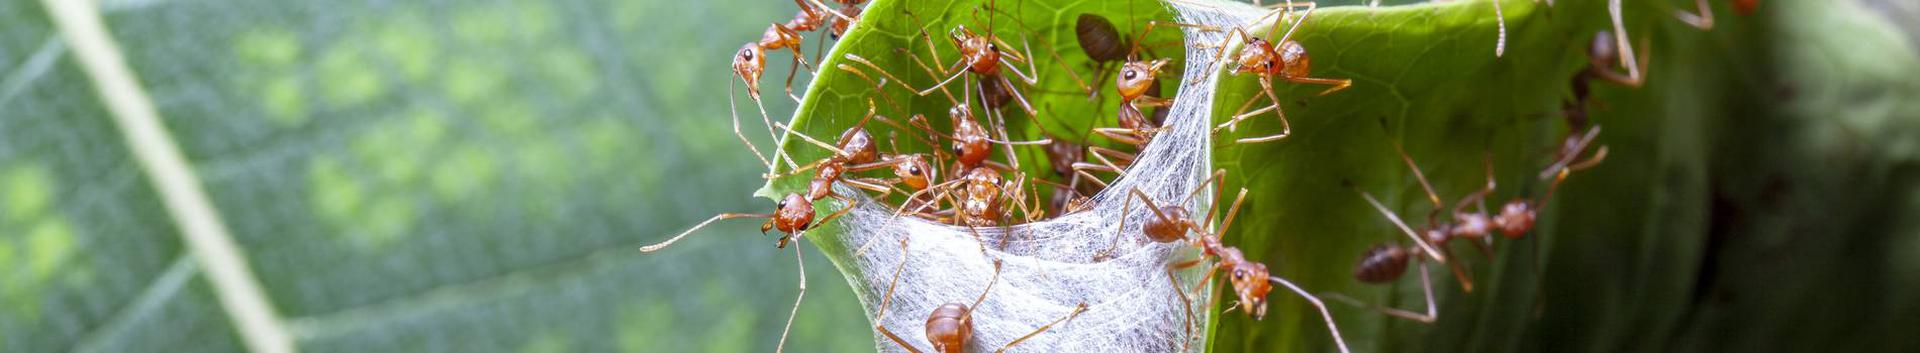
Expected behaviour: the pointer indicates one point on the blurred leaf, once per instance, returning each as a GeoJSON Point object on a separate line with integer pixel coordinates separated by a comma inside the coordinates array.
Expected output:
{"type": "Point", "coordinates": [398, 181]}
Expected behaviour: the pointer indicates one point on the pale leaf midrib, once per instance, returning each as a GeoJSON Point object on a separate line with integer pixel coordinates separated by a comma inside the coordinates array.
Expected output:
{"type": "Point", "coordinates": [239, 292]}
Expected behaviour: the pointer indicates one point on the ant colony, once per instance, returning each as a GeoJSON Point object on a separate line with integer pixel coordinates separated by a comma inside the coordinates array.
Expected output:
{"type": "Point", "coordinates": [1018, 222]}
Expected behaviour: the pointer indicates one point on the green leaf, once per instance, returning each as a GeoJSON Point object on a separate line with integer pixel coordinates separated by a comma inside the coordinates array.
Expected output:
{"type": "Point", "coordinates": [1634, 255]}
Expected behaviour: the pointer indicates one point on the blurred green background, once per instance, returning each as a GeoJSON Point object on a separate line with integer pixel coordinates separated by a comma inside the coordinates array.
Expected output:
{"type": "Point", "coordinates": [403, 176]}
{"type": "Point", "coordinates": [475, 175]}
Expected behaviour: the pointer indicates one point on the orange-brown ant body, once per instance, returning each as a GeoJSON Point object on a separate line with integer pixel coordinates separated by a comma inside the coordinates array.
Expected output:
{"type": "Point", "coordinates": [1283, 59]}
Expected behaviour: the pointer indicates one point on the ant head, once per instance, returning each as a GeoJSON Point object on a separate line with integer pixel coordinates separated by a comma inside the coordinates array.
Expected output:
{"type": "Point", "coordinates": [748, 63]}
{"type": "Point", "coordinates": [1250, 284]}
{"type": "Point", "coordinates": [795, 214]}
{"type": "Point", "coordinates": [1136, 77]}
{"type": "Point", "coordinates": [970, 143]}
{"type": "Point", "coordinates": [914, 171]}
{"type": "Point", "coordinates": [1602, 51]}
{"type": "Point", "coordinates": [1516, 218]}
{"type": "Point", "coordinates": [1257, 56]}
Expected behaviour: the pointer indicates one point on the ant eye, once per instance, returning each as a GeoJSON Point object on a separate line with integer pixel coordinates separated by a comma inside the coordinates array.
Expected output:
{"type": "Point", "coordinates": [913, 170]}
{"type": "Point", "coordinates": [1130, 74]}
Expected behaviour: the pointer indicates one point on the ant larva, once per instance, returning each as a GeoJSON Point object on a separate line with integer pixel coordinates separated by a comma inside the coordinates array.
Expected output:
{"type": "Point", "coordinates": [950, 326]}
{"type": "Point", "coordinates": [1283, 59]}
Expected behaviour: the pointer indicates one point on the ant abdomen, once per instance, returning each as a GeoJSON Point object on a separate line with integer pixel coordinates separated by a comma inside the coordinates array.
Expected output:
{"type": "Point", "coordinates": [1168, 229]}
{"type": "Point", "coordinates": [1098, 38]}
{"type": "Point", "coordinates": [1516, 218]}
{"type": "Point", "coordinates": [1382, 263]}
{"type": "Point", "coordinates": [949, 328]}
{"type": "Point", "coordinates": [1294, 61]}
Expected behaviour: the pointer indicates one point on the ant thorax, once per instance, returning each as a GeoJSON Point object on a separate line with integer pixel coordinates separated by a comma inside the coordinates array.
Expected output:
{"type": "Point", "coordinates": [805, 20]}
{"type": "Point", "coordinates": [1471, 225]}
{"type": "Point", "coordinates": [823, 178]}
{"type": "Point", "coordinates": [777, 37]}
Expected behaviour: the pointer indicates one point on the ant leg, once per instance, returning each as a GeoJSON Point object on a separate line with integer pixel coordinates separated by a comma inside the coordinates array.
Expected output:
{"type": "Point", "coordinates": [830, 147]}
{"type": "Point", "coordinates": [983, 292]}
{"type": "Point", "coordinates": [1633, 77]}
{"type": "Point", "coordinates": [1421, 176]}
{"type": "Point", "coordinates": [1043, 328]}
{"type": "Point", "coordinates": [664, 244]}
{"type": "Point", "coordinates": [1478, 197]}
{"type": "Point", "coordinates": [1121, 135]}
{"type": "Point", "coordinates": [1231, 212]}
{"type": "Point", "coordinates": [851, 204]}
{"type": "Point", "coordinates": [1460, 274]}
{"type": "Point", "coordinates": [1703, 20]}
{"type": "Point", "coordinates": [802, 267]}
{"type": "Point", "coordinates": [1219, 176]}
{"type": "Point", "coordinates": [1108, 165]}
{"type": "Point", "coordinates": [1233, 124]}
{"type": "Point", "coordinates": [1296, 24]}
{"type": "Point", "coordinates": [1083, 169]}
{"type": "Point", "coordinates": [1286, 128]}
{"type": "Point", "coordinates": [1338, 84]}
{"type": "Point", "coordinates": [1126, 206]}
{"type": "Point", "coordinates": [1426, 248]}
{"type": "Point", "coordinates": [731, 107]}
{"type": "Point", "coordinates": [1225, 42]}
{"type": "Point", "coordinates": [1316, 304]}
{"type": "Point", "coordinates": [1015, 91]}
{"type": "Point", "coordinates": [779, 153]}
{"type": "Point", "coordinates": [1426, 288]}
{"type": "Point", "coordinates": [896, 339]}
{"type": "Point", "coordinates": [1149, 29]}
{"type": "Point", "coordinates": [888, 300]}
{"type": "Point", "coordinates": [943, 186]}
{"type": "Point", "coordinates": [1185, 303]}
{"type": "Point", "coordinates": [1102, 153]}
